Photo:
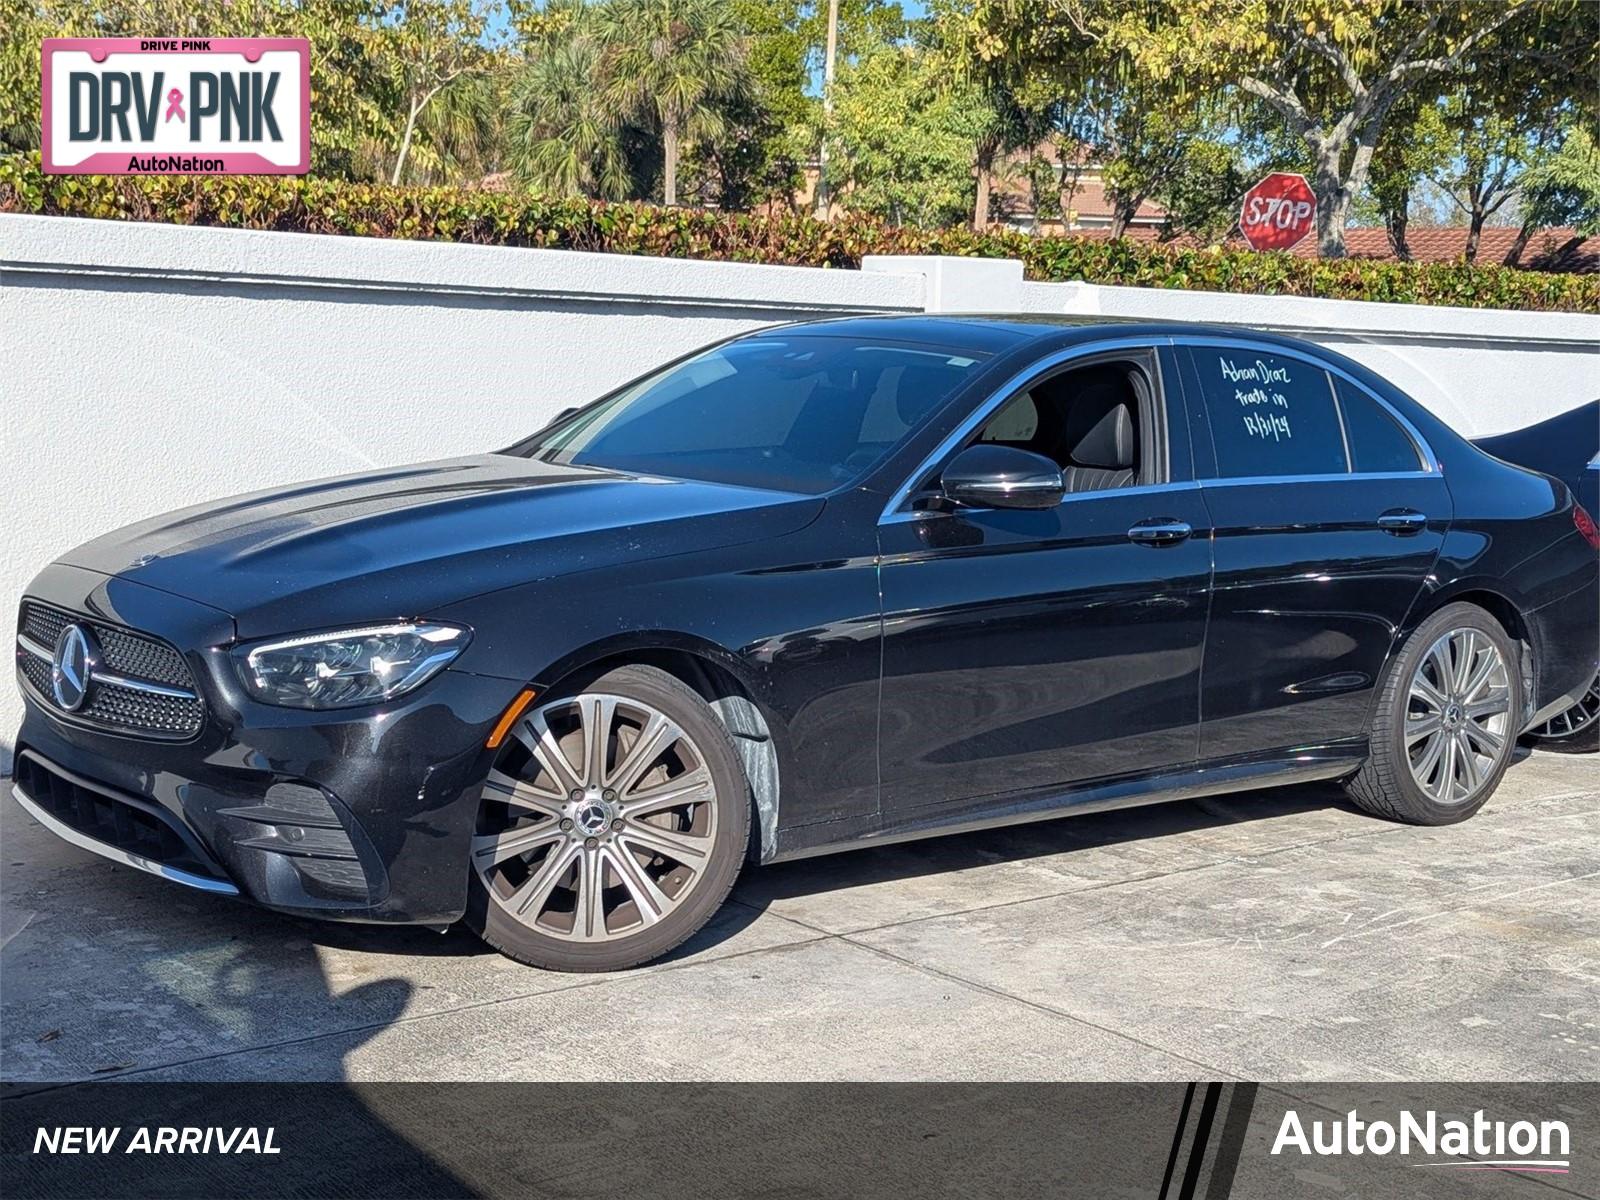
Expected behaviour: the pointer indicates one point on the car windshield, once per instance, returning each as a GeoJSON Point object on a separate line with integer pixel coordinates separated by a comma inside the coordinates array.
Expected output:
{"type": "Point", "coordinates": [803, 414]}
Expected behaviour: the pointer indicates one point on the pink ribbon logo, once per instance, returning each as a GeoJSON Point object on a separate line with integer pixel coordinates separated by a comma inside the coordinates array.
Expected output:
{"type": "Point", "coordinates": [175, 105]}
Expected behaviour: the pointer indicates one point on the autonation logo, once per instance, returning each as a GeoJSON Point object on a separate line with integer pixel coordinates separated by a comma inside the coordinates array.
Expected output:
{"type": "Point", "coordinates": [1479, 1144]}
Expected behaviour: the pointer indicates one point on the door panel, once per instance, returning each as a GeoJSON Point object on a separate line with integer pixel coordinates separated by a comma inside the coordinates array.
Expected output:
{"type": "Point", "coordinates": [1025, 650]}
{"type": "Point", "coordinates": [1313, 576]}
{"type": "Point", "coordinates": [1309, 594]}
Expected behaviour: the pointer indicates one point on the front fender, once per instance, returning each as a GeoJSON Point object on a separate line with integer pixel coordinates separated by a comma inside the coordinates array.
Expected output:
{"type": "Point", "coordinates": [793, 620]}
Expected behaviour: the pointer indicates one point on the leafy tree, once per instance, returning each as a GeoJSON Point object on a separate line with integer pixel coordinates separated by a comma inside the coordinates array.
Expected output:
{"type": "Point", "coordinates": [1333, 70]}
{"type": "Point", "coordinates": [1484, 152]}
{"type": "Point", "coordinates": [773, 128]}
{"type": "Point", "coordinates": [1413, 149]}
{"type": "Point", "coordinates": [1562, 188]}
{"type": "Point", "coordinates": [675, 60]}
{"type": "Point", "coordinates": [23, 23]}
{"type": "Point", "coordinates": [1201, 192]}
{"type": "Point", "coordinates": [615, 94]}
{"type": "Point", "coordinates": [1044, 191]}
{"type": "Point", "coordinates": [904, 138]}
{"type": "Point", "coordinates": [1000, 123]}
{"type": "Point", "coordinates": [758, 159]}
{"type": "Point", "coordinates": [800, 41]}
{"type": "Point", "coordinates": [538, 23]}
{"type": "Point", "coordinates": [1058, 58]}
{"type": "Point", "coordinates": [1008, 118]}
{"type": "Point", "coordinates": [1146, 148]}
{"type": "Point", "coordinates": [1001, 126]}
{"type": "Point", "coordinates": [428, 46]}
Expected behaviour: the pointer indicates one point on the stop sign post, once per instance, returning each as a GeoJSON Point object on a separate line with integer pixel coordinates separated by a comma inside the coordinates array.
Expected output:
{"type": "Point", "coordinates": [1278, 211]}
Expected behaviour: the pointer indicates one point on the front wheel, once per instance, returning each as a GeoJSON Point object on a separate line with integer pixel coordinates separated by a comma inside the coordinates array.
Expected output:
{"type": "Point", "coordinates": [1444, 726]}
{"type": "Point", "coordinates": [611, 827]}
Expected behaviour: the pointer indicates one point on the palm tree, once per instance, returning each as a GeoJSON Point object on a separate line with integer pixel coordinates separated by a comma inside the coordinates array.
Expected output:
{"type": "Point", "coordinates": [458, 136]}
{"type": "Point", "coordinates": [563, 133]}
{"type": "Point", "coordinates": [675, 60]}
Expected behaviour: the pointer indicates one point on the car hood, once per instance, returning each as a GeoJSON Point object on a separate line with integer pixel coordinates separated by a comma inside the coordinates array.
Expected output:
{"type": "Point", "coordinates": [402, 542]}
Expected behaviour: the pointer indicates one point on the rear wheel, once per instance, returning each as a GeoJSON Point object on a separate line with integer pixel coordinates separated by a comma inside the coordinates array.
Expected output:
{"type": "Point", "coordinates": [611, 827]}
{"type": "Point", "coordinates": [1444, 726]}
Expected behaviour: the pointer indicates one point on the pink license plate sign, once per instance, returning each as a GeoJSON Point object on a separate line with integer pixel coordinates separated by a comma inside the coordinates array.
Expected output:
{"type": "Point", "coordinates": [170, 106]}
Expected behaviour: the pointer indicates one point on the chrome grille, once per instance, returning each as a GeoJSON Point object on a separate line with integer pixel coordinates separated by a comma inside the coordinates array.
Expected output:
{"type": "Point", "coordinates": [142, 685]}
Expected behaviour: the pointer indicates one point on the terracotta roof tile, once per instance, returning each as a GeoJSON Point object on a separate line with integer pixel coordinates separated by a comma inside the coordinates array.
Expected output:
{"type": "Point", "coordinates": [1449, 244]}
{"type": "Point", "coordinates": [1089, 200]}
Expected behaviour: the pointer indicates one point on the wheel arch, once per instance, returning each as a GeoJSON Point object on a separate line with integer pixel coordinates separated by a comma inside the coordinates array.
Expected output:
{"type": "Point", "coordinates": [1495, 601]}
{"type": "Point", "coordinates": [718, 678]}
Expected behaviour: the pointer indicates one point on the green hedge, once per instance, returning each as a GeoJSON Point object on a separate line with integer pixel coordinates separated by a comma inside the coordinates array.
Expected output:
{"type": "Point", "coordinates": [512, 219]}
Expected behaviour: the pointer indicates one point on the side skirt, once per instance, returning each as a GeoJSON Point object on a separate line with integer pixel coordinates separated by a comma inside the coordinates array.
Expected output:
{"type": "Point", "coordinates": [1129, 791]}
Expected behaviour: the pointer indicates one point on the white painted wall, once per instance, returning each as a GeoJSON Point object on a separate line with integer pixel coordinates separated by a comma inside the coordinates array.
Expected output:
{"type": "Point", "coordinates": [143, 367]}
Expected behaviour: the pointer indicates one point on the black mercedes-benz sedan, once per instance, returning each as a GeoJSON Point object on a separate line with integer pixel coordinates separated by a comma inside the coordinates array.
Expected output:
{"type": "Point", "coordinates": [816, 587]}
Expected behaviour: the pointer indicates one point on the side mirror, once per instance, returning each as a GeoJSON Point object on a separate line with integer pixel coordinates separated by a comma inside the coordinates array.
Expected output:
{"type": "Point", "coordinates": [988, 476]}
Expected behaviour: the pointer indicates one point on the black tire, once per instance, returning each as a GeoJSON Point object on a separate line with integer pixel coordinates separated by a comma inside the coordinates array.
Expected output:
{"type": "Point", "coordinates": [729, 842]}
{"type": "Point", "coordinates": [1385, 784]}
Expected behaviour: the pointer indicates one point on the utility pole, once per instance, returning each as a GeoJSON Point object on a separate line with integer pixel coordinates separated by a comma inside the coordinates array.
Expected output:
{"type": "Point", "coordinates": [827, 109]}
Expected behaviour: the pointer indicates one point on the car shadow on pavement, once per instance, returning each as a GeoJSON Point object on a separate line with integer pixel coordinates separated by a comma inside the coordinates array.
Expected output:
{"type": "Point", "coordinates": [240, 975]}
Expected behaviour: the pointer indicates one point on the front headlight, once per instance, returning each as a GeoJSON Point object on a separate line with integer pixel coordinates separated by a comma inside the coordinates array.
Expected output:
{"type": "Point", "coordinates": [349, 667]}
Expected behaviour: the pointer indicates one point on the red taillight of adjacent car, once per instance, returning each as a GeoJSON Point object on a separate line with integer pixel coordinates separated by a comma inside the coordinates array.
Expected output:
{"type": "Point", "coordinates": [1585, 524]}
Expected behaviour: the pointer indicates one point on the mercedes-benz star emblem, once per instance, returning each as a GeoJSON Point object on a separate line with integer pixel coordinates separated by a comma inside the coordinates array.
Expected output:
{"type": "Point", "coordinates": [74, 662]}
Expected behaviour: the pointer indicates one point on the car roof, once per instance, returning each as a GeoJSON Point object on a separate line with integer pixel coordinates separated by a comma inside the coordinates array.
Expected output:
{"type": "Point", "coordinates": [1012, 339]}
{"type": "Point", "coordinates": [994, 333]}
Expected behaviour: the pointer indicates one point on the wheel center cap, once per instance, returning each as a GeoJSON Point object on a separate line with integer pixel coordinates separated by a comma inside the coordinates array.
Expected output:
{"type": "Point", "coordinates": [593, 816]}
{"type": "Point", "coordinates": [1452, 715]}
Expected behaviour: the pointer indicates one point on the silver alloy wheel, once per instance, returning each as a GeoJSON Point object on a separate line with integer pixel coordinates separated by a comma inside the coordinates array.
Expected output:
{"type": "Point", "coordinates": [598, 819]}
{"type": "Point", "coordinates": [1575, 719]}
{"type": "Point", "coordinates": [1458, 713]}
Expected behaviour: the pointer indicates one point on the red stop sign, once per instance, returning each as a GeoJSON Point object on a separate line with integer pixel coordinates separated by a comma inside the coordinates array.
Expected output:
{"type": "Point", "coordinates": [1278, 211]}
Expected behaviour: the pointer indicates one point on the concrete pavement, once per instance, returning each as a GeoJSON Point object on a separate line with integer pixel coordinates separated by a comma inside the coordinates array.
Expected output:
{"type": "Point", "coordinates": [1273, 935]}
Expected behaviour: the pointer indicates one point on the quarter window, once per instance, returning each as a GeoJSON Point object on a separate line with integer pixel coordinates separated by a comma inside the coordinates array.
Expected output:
{"type": "Point", "coordinates": [1377, 442]}
{"type": "Point", "coordinates": [1270, 414]}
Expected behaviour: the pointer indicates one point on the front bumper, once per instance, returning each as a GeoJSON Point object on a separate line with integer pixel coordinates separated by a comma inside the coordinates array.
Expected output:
{"type": "Point", "coordinates": [114, 844]}
{"type": "Point", "coordinates": [359, 814]}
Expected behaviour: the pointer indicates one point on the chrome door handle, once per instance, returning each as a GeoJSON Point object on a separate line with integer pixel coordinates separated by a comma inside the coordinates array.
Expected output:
{"type": "Point", "coordinates": [1402, 521]}
{"type": "Point", "coordinates": [1159, 531]}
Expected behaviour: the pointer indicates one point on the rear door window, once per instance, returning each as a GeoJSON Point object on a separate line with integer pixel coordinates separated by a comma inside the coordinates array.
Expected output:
{"type": "Point", "coordinates": [1270, 414]}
